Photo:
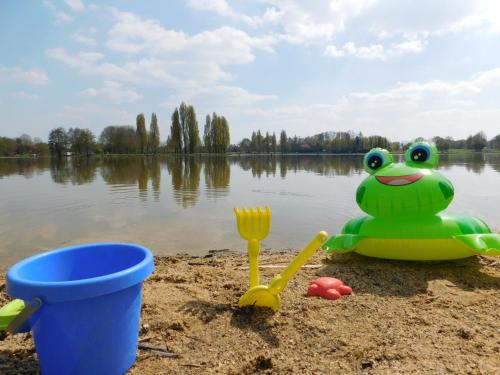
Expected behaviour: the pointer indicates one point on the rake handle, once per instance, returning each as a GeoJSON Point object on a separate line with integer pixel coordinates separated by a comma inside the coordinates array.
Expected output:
{"type": "Point", "coordinates": [253, 259]}
{"type": "Point", "coordinates": [279, 282]}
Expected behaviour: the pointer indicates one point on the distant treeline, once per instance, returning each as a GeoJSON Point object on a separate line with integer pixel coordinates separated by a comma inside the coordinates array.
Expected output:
{"type": "Point", "coordinates": [184, 138]}
{"type": "Point", "coordinates": [332, 142]}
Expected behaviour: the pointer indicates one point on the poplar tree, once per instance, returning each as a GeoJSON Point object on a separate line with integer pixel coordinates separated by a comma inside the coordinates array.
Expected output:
{"type": "Point", "coordinates": [225, 139]}
{"type": "Point", "coordinates": [283, 142]}
{"type": "Point", "coordinates": [183, 116]}
{"type": "Point", "coordinates": [142, 134]}
{"type": "Point", "coordinates": [192, 128]}
{"type": "Point", "coordinates": [154, 134]}
{"type": "Point", "coordinates": [176, 132]}
{"type": "Point", "coordinates": [207, 134]}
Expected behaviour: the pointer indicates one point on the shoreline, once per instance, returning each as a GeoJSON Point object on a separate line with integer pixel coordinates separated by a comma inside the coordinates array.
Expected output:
{"type": "Point", "coordinates": [404, 317]}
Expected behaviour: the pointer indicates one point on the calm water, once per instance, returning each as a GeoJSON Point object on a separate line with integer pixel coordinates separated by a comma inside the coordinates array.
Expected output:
{"type": "Point", "coordinates": [174, 205]}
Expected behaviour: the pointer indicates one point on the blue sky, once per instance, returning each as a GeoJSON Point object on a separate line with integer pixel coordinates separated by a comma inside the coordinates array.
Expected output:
{"type": "Point", "coordinates": [398, 68]}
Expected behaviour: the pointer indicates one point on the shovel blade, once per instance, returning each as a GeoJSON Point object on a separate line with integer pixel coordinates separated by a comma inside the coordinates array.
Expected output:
{"type": "Point", "coordinates": [260, 296]}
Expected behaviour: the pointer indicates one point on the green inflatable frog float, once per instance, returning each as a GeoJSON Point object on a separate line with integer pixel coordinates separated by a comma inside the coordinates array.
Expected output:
{"type": "Point", "coordinates": [403, 201]}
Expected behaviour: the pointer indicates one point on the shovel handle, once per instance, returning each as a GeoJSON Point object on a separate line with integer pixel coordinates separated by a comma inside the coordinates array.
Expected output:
{"type": "Point", "coordinates": [253, 260]}
{"type": "Point", "coordinates": [279, 282]}
{"type": "Point", "coordinates": [30, 308]}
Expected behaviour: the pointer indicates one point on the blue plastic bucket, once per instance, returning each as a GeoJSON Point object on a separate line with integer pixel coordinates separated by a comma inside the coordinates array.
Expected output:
{"type": "Point", "coordinates": [91, 305]}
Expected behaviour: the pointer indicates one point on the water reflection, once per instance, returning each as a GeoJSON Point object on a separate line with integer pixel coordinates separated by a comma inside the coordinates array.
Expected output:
{"type": "Point", "coordinates": [217, 176]}
{"type": "Point", "coordinates": [473, 162]}
{"type": "Point", "coordinates": [23, 167]}
{"type": "Point", "coordinates": [184, 173]}
{"type": "Point", "coordinates": [129, 171]}
{"type": "Point", "coordinates": [76, 171]}
{"type": "Point", "coordinates": [162, 200]}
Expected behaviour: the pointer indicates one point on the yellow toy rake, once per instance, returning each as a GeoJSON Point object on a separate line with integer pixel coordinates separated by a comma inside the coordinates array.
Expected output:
{"type": "Point", "coordinates": [254, 225]}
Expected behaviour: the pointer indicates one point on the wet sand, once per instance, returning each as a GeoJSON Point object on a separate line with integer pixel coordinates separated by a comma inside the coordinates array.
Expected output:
{"type": "Point", "coordinates": [404, 317]}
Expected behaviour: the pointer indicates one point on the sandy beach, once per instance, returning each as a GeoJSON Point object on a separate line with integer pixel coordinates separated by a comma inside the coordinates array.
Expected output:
{"type": "Point", "coordinates": [428, 318]}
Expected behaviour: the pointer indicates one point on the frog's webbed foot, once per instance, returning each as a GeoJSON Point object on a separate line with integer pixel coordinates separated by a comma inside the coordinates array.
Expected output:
{"type": "Point", "coordinates": [483, 243]}
{"type": "Point", "coordinates": [343, 243]}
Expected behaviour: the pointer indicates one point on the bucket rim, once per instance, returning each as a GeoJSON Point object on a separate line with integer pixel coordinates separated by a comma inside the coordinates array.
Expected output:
{"type": "Point", "coordinates": [21, 287]}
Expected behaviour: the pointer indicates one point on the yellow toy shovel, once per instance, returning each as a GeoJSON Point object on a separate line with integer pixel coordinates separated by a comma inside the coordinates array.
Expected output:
{"type": "Point", "coordinates": [268, 296]}
{"type": "Point", "coordinates": [253, 225]}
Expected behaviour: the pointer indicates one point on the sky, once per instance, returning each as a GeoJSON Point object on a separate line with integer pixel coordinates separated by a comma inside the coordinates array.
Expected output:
{"type": "Point", "coordinates": [398, 68]}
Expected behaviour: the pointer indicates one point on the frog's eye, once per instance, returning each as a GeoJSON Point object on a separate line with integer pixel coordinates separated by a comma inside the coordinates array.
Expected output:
{"type": "Point", "coordinates": [376, 159]}
{"type": "Point", "coordinates": [422, 155]}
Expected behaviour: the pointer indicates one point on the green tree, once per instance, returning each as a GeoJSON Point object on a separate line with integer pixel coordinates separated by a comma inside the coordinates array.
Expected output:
{"type": "Point", "coordinates": [273, 142]}
{"type": "Point", "coordinates": [219, 134]}
{"type": "Point", "coordinates": [494, 143]}
{"type": "Point", "coordinates": [207, 131]}
{"type": "Point", "coordinates": [183, 117]}
{"type": "Point", "coordinates": [24, 145]}
{"type": "Point", "coordinates": [442, 144]}
{"type": "Point", "coordinates": [226, 137]}
{"type": "Point", "coordinates": [154, 135]}
{"type": "Point", "coordinates": [176, 133]}
{"type": "Point", "coordinates": [7, 146]}
{"type": "Point", "coordinates": [193, 132]}
{"type": "Point", "coordinates": [58, 141]}
{"type": "Point", "coordinates": [82, 141]}
{"type": "Point", "coordinates": [283, 142]}
{"type": "Point", "coordinates": [260, 141]}
{"type": "Point", "coordinates": [119, 140]}
{"type": "Point", "coordinates": [477, 141]}
{"type": "Point", "coordinates": [267, 143]}
{"type": "Point", "coordinates": [142, 134]}
{"type": "Point", "coordinates": [253, 142]}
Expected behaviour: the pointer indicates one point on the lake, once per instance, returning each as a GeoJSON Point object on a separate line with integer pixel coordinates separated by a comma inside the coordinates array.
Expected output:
{"type": "Point", "coordinates": [184, 205]}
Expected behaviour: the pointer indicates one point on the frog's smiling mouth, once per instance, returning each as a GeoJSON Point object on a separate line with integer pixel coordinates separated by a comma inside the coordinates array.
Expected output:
{"type": "Point", "coordinates": [399, 180]}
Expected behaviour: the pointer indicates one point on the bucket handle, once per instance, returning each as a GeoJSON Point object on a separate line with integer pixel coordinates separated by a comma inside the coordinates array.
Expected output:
{"type": "Point", "coordinates": [30, 308]}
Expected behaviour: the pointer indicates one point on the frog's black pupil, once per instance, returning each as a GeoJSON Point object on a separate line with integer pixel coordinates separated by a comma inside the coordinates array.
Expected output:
{"type": "Point", "coordinates": [419, 155]}
{"type": "Point", "coordinates": [374, 162]}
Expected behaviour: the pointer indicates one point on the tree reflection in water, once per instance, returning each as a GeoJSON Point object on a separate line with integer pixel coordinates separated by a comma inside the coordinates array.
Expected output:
{"type": "Point", "coordinates": [185, 171]}
{"type": "Point", "coordinates": [77, 171]}
{"type": "Point", "coordinates": [217, 175]}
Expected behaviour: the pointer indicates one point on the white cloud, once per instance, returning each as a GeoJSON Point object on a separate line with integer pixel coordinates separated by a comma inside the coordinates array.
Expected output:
{"type": "Point", "coordinates": [167, 56]}
{"type": "Point", "coordinates": [33, 76]}
{"type": "Point", "coordinates": [217, 98]}
{"type": "Point", "coordinates": [222, 8]}
{"type": "Point", "coordinates": [85, 36]}
{"type": "Point", "coordinates": [80, 59]}
{"type": "Point", "coordinates": [297, 22]}
{"type": "Point", "coordinates": [376, 51]}
{"type": "Point", "coordinates": [75, 5]}
{"type": "Point", "coordinates": [114, 92]}
{"type": "Point", "coordinates": [426, 18]}
{"type": "Point", "coordinates": [24, 95]}
{"type": "Point", "coordinates": [60, 16]}
{"type": "Point", "coordinates": [319, 22]}
{"type": "Point", "coordinates": [404, 111]}
{"type": "Point", "coordinates": [151, 71]}
{"type": "Point", "coordinates": [225, 45]}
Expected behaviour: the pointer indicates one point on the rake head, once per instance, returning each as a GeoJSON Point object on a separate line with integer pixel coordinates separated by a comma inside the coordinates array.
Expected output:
{"type": "Point", "coordinates": [253, 223]}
